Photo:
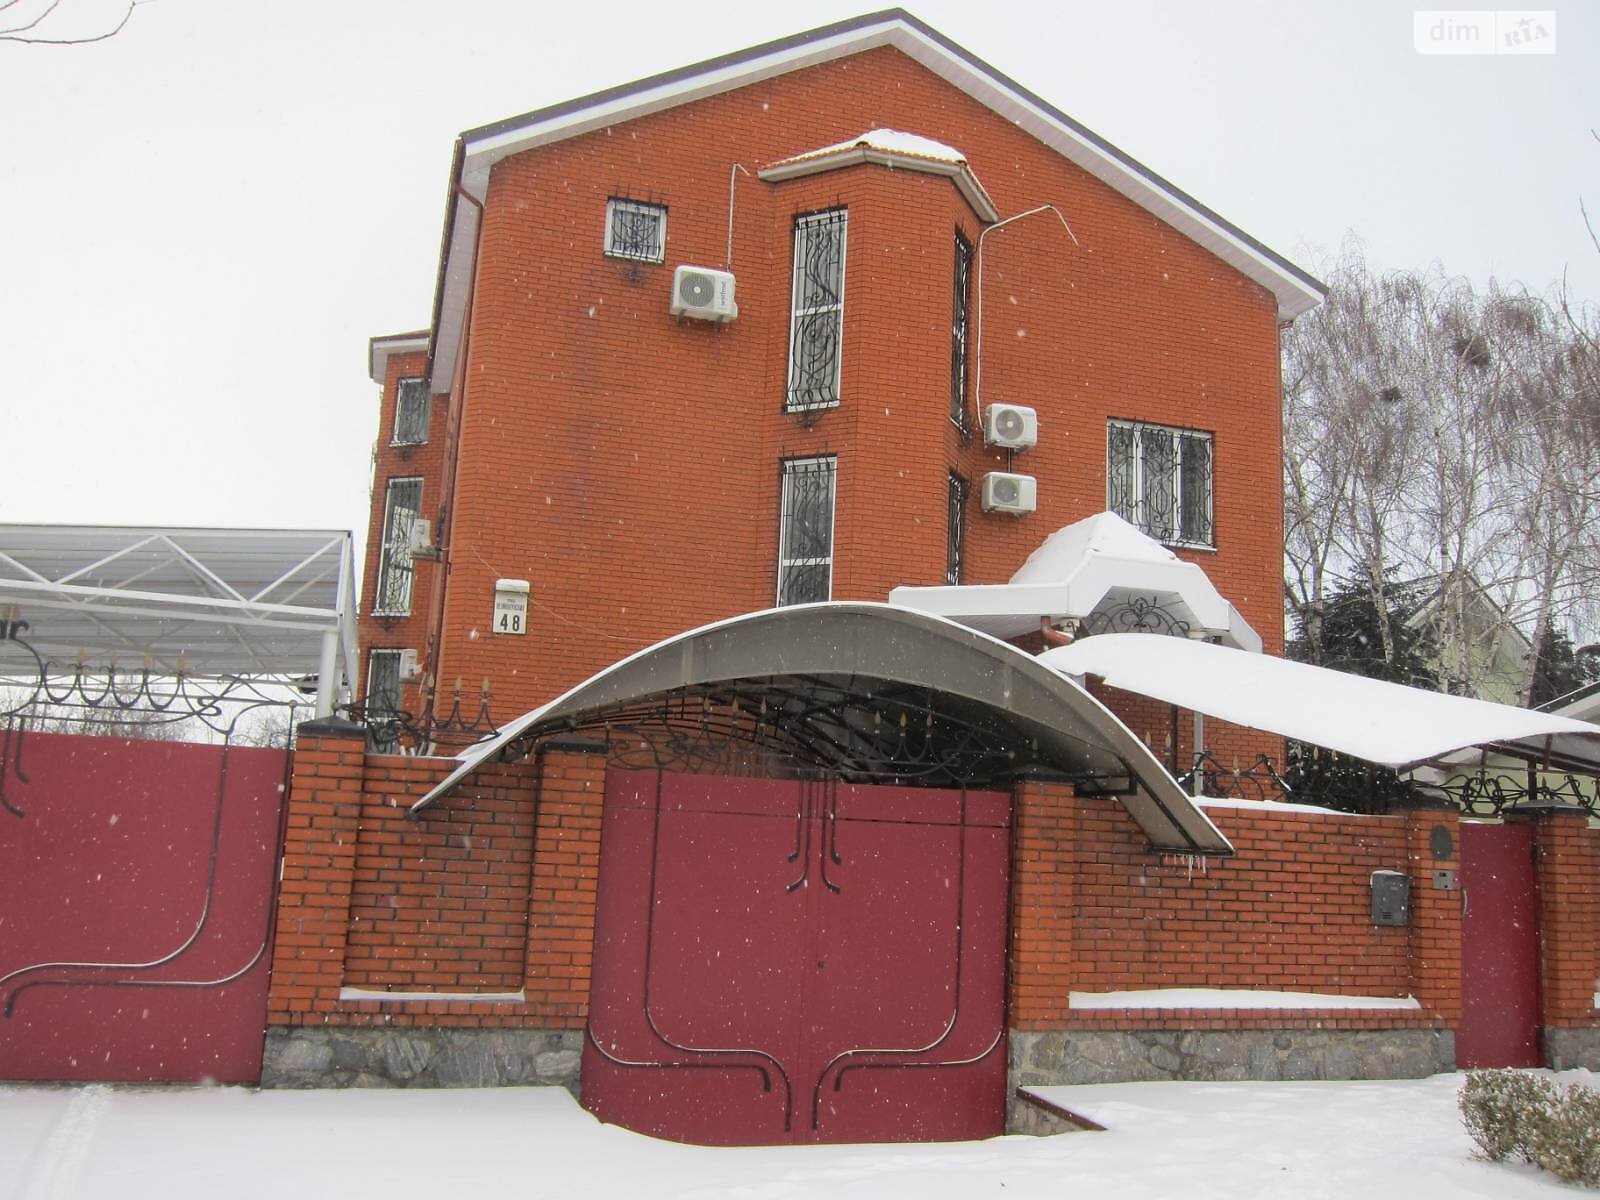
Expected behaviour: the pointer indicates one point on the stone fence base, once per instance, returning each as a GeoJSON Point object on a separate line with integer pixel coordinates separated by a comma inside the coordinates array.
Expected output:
{"type": "Point", "coordinates": [1565, 1049]}
{"type": "Point", "coordinates": [333, 1056]}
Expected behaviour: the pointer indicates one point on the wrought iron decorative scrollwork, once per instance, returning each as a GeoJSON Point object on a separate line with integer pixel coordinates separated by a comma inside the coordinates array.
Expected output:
{"type": "Point", "coordinates": [818, 310]}
{"type": "Point", "coordinates": [1257, 781]}
{"type": "Point", "coordinates": [1137, 614]}
{"type": "Point", "coordinates": [635, 230]}
{"type": "Point", "coordinates": [960, 317]}
{"type": "Point", "coordinates": [805, 548]}
{"type": "Point", "coordinates": [1493, 795]}
{"type": "Point", "coordinates": [394, 730]}
{"type": "Point", "coordinates": [1159, 479]}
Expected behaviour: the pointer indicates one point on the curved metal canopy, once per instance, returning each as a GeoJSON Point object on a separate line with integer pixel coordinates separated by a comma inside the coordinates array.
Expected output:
{"type": "Point", "coordinates": [825, 668]}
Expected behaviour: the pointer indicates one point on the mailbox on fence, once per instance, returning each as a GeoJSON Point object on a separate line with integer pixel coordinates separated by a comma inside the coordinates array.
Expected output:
{"type": "Point", "coordinates": [1391, 898]}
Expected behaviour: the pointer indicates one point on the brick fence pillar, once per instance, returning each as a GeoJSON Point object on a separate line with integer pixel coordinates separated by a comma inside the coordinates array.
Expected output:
{"type": "Point", "coordinates": [319, 852]}
{"type": "Point", "coordinates": [1041, 904]}
{"type": "Point", "coordinates": [1433, 843]}
{"type": "Point", "coordinates": [1568, 866]}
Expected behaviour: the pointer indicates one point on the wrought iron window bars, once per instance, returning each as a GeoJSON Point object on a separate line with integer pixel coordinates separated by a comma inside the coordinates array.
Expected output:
{"type": "Point", "coordinates": [805, 537]}
{"type": "Point", "coordinates": [636, 230]}
{"type": "Point", "coordinates": [411, 407]}
{"type": "Point", "coordinates": [402, 507]}
{"type": "Point", "coordinates": [1159, 479]}
{"type": "Point", "coordinates": [959, 329]}
{"type": "Point", "coordinates": [816, 311]}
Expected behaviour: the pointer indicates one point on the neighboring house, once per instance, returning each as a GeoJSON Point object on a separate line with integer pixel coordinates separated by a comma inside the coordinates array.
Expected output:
{"type": "Point", "coordinates": [1477, 650]}
{"type": "Point", "coordinates": [840, 314]}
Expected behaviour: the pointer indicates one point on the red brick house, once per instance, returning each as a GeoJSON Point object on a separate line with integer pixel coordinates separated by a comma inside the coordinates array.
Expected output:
{"type": "Point", "coordinates": [834, 315]}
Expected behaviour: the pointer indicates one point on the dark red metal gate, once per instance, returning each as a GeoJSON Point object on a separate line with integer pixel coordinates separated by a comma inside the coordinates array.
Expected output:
{"type": "Point", "coordinates": [1499, 948]}
{"type": "Point", "coordinates": [810, 962]}
{"type": "Point", "coordinates": [136, 889]}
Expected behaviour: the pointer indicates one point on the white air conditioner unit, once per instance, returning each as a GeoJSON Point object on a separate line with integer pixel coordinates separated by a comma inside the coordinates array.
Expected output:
{"type": "Point", "coordinates": [1011, 426]}
{"type": "Point", "coordinates": [420, 542]}
{"type": "Point", "coordinates": [703, 293]}
{"type": "Point", "coordinates": [410, 667]}
{"type": "Point", "coordinates": [1008, 493]}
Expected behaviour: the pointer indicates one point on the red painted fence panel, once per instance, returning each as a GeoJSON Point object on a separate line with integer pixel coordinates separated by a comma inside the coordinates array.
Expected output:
{"type": "Point", "coordinates": [794, 962]}
{"type": "Point", "coordinates": [136, 890]}
{"type": "Point", "coordinates": [1499, 948]}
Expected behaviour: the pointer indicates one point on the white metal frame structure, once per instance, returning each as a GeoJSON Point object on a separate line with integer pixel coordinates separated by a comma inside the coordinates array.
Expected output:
{"type": "Point", "coordinates": [265, 606]}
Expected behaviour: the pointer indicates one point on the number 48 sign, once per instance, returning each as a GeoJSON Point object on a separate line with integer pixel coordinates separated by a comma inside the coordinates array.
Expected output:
{"type": "Point", "coordinates": [510, 606]}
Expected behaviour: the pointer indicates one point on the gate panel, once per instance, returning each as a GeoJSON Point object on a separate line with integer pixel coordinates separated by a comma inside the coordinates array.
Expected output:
{"type": "Point", "coordinates": [779, 961]}
{"type": "Point", "coordinates": [1499, 948]}
{"type": "Point", "coordinates": [136, 893]}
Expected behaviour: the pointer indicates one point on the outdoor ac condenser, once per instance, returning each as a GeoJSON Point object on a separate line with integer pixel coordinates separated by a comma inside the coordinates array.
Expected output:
{"type": "Point", "coordinates": [1011, 426]}
{"type": "Point", "coordinates": [1008, 493]}
{"type": "Point", "coordinates": [703, 293]}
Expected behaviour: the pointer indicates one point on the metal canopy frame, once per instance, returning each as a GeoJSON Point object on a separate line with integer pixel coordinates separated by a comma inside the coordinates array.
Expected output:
{"type": "Point", "coordinates": [828, 685]}
{"type": "Point", "coordinates": [263, 606]}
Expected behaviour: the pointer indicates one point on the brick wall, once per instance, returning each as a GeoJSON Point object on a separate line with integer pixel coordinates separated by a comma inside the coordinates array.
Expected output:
{"type": "Point", "coordinates": [627, 463]}
{"type": "Point", "coordinates": [492, 891]}
{"type": "Point", "coordinates": [1569, 901]}
{"type": "Point", "coordinates": [1095, 911]}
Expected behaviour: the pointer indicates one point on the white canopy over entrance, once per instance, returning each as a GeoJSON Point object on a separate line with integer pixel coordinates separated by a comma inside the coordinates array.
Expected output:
{"type": "Point", "coordinates": [266, 605]}
{"type": "Point", "coordinates": [1384, 723]}
{"type": "Point", "coordinates": [1094, 566]}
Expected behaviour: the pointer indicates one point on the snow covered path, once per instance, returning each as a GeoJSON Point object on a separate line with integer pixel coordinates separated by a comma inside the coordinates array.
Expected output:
{"type": "Point", "coordinates": [1236, 1141]}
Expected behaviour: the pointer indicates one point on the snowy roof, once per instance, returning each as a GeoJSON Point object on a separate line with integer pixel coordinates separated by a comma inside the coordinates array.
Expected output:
{"type": "Point", "coordinates": [1093, 564]}
{"type": "Point", "coordinates": [1384, 723]}
{"type": "Point", "coordinates": [477, 150]}
{"type": "Point", "coordinates": [890, 148]}
{"type": "Point", "coordinates": [871, 644]}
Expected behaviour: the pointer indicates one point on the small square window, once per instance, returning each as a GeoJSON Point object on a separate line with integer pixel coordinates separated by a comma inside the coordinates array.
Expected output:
{"type": "Point", "coordinates": [635, 230]}
{"type": "Point", "coordinates": [1158, 478]}
{"type": "Point", "coordinates": [411, 413]}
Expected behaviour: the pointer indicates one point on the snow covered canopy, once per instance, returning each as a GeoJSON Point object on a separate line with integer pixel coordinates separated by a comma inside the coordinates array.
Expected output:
{"type": "Point", "coordinates": [1384, 723]}
{"type": "Point", "coordinates": [832, 683]}
{"type": "Point", "coordinates": [265, 605]}
{"type": "Point", "coordinates": [1098, 565]}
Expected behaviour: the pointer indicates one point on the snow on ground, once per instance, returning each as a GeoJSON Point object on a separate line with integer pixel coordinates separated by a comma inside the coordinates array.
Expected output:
{"type": "Point", "coordinates": [1231, 1141]}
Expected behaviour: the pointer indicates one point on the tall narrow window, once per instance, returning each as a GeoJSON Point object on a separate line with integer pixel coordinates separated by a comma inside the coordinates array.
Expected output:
{"type": "Point", "coordinates": [636, 230]}
{"type": "Point", "coordinates": [958, 332]}
{"type": "Point", "coordinates": [411, 413]}
{"type": "Point", "coordinates": [401, 509]}
{"type": "Point", "coordinates": [805, 531]}
{"type": "Point", "coordinates": [1160, 479]}
{"type": "Point", "coordinates": [955, 528]}
{"type": "Point", "coordinates": [382, 709]}
{"type": "Point", "coordinates": [816, 327]}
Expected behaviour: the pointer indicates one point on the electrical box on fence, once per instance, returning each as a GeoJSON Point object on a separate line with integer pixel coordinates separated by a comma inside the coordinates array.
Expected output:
{"type": "Point", "coordinates": [1391, 898]}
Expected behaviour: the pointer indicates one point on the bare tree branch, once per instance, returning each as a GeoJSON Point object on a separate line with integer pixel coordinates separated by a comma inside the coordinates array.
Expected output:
{"type": "Point", "coordinates": [21, 35]}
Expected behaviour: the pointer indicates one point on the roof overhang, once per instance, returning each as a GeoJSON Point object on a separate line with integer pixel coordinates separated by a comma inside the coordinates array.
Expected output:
{"type": "Point", "coordinates": [836, 158]}
{"type": "Point", "coordinates": [1384, 723]}
{"type": "Point", "coordinates": [265, 605]}
{"type": "Point", "coordinates": [379, 350]}
{"type": "Point", "coordinates": [478, 150]}
{"type": "Point", "coordinates": [879, 644]}
{"type": "Point", "coordinates": [1099, 565]}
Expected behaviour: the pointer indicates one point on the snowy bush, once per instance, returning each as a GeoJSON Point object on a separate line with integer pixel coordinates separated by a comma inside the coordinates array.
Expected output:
{"type": "Point", "coordinates": [1510, 1114]}
{"type": "Point", "coordinates": [1567, 1142]}
{"type": "Point", "coordinates": [1501, 1110]}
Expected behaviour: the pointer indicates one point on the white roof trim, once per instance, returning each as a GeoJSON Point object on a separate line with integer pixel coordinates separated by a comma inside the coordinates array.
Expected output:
{"type": "Point", "coordinates": [480, 149]}
{"type": "Point", "coordinates": [380, 348]}
{"type": "Point", "coordinates": [849, 156]}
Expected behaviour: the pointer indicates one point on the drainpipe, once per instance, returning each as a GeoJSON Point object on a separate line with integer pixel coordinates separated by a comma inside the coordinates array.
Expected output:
{"type": "Point", "coordinates": [452, 463]}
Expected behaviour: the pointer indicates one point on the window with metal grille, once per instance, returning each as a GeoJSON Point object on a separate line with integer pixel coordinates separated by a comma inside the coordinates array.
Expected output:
{"type": "Point", "coordinates": [805, 531]}
{"type": "Point", "coordinates": [636, 230]}
{"type": "Point", "coordinates": [401, 508]}
{"type": "Point", "coordinates": [958, 332]}
{"type": "Point", "coordinates": [816, 326]}
{"type": "Point", "coordinates": [383, 701]}
{"type": "Point", "coordinates": [955, 528]}
{"type": "Point", "coordinates": [1159, 479]}
{"type": "Point", "coordinates": [411, 413]}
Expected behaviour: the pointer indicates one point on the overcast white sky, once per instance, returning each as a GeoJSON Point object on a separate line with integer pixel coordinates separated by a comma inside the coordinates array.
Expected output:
{"type": "Point", "coordinates": [205, 217]}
